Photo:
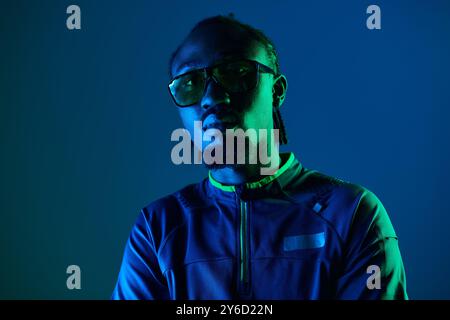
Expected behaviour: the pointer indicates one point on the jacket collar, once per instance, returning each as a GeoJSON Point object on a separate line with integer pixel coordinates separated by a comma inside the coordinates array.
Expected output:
{"type": "Point", "coordinates": [289, 171]}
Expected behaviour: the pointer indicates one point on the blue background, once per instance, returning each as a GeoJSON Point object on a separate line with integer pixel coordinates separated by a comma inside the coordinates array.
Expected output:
{"type": "Point", "coordinates": [85, 124]}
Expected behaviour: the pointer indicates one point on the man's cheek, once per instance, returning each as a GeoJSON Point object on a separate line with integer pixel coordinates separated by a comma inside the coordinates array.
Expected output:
{"type": "Point", "coordinates": [189, 117]}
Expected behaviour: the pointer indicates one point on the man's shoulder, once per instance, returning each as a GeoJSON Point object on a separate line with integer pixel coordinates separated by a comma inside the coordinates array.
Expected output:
{"type": "Point", "coordinates": [341, 203]}
{"type": "Point", "coordinates": [320, 185]}
{"type": "Point", "coordinates": [168, 213]}
{"type": "Point", "coordinates": [345, 192]}
{"type": "Point", "coordinates": [179, 200]}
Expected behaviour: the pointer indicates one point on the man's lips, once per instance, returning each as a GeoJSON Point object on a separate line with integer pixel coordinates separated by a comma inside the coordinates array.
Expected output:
{"type": "Point", "coordinates": [213, 121]}
{"type": "Point", "coordinates": [219, 125]}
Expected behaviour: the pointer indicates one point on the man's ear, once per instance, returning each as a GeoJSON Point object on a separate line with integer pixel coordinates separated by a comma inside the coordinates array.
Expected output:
{"type": "Point", "coordinates": [279, 90]}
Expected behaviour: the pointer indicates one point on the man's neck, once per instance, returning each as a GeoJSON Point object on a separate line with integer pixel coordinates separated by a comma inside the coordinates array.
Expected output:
{"type": "Point", "coordinates": [243, 174]}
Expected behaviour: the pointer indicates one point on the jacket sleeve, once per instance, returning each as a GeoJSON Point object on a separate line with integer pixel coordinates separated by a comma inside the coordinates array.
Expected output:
{"type": "Point", "coordinates": [372, 267]}
{"type": "Point", "coordinates": [140, 276]}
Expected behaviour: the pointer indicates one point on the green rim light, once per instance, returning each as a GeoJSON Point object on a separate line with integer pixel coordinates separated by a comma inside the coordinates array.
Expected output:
{"type": "Point", "coordinates": [256, 184]}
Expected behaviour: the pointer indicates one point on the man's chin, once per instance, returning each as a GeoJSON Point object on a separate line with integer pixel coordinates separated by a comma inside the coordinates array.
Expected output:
{"type": "Point", "coordinates": [218, 166]}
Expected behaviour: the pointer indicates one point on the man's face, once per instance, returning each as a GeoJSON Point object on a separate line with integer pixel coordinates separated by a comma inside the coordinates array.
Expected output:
{"type": "Point", "coordinates": [218, 108]}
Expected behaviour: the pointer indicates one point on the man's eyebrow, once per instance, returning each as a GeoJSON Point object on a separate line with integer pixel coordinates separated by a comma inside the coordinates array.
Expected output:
{"type": "Point", "coordinates": [218, 58]}
{"type": "Point", "coordinates": [186, 65]}
{"type": "Point", "coordinates": [228, 55]}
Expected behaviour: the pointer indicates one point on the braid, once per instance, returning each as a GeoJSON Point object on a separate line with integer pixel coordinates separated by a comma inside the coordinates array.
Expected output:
{"type": "Point", "coordinates": [279, 124]}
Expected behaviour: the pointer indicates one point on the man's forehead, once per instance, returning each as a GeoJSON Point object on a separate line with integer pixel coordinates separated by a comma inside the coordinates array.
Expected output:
{"type": "Point", "coordinates": [200, 52]}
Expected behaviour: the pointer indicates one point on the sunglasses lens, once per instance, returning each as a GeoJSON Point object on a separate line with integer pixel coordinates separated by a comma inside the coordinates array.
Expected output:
{"type": "Point", "coordinates": [188, 89]}
{"type": "Point", "coordinates": [239, 76]}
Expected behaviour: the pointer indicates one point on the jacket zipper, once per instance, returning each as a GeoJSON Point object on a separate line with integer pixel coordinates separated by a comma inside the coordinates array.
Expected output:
{"type": "Point", "coordinates": [243, 241]}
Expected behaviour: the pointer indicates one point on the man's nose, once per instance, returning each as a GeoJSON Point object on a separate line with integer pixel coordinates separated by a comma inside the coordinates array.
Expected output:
{"type": "Point", "coordinates": [214, 94]}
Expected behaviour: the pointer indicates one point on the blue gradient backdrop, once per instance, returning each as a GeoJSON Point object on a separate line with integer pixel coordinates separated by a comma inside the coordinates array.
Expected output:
{"type": "Point", "coordinates": [85, 125]}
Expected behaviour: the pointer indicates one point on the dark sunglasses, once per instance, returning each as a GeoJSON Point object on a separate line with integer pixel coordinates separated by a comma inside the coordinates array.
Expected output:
{"type": "Point", "coordinates": [235, 76]}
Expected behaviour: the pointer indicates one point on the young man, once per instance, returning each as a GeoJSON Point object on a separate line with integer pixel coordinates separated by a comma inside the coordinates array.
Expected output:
{"type": "Point", "coordinates": [242, 234]}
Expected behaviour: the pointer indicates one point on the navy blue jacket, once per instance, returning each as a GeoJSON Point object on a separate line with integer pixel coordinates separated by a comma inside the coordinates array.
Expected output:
{"type": "Point", "coordinates": [297, 234]}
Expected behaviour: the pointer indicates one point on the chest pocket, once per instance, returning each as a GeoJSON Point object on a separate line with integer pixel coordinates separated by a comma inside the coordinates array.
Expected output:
{"type": "Point", "coordinates": [304, 241]}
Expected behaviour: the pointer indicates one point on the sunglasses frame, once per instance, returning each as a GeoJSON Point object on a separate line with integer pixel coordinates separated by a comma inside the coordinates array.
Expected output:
{"type": "Point", "coordinates": [260, 68]}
